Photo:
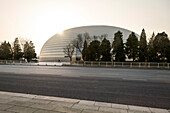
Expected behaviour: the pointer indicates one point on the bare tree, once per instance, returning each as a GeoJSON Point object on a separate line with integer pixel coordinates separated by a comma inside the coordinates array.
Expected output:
{"type": "Point", "coordinates": [103, 36]}
{"type": "Point", "coordinates": [23, 41]}
{"type": "Point", "coordinates": [78, 42]}
{"type": "Point", "coordinates": [87, 37]}
{"type": "Point", "coordinates": [69, 51]}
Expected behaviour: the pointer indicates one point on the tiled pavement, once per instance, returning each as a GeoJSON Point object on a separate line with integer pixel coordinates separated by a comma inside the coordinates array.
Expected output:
{"type": "Point", "coordinates": [26, 103]}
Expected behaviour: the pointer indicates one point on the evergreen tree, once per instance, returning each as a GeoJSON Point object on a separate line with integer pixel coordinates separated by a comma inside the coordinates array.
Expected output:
{"type": "Point", "coordinates": [9, 51]}
{"type": "Point", "coordinates": [168, 53]}
{"type": "Point", "coordinates": [5, 51]}
{"type": "Point", "coordinates": [152, 56]}
{"type": "Point", "coordinates": [94, 51]}
{"type": "Point", "coordinates": [17, 50]}
{"type": "Point", "coordinates": [118, 47]}
{"type": "Point", "coordinates": [132, 46]}
{"type": "Point", "coordinates": [161, 44]}
{"type": "Point", "coordinates": [105, 50]}
{"type": "Point", "coordinates": [143, 47]}
{"type": "Point", "coordinates": [29, 51]}
{"type": "Point", "coordinates": [84, 51]}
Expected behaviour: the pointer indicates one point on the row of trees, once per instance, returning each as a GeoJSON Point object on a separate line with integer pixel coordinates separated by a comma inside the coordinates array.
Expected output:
{"type": "Point", "coordinates": [98, 48]}
{"type": "Point", "coordinates": [156, 50]}
{"type": "Point", "coordinates": [17, 51]}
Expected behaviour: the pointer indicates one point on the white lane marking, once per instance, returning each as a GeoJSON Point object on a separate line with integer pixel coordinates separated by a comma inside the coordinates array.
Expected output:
{"type": "Point", "coordinates": [135, 79]}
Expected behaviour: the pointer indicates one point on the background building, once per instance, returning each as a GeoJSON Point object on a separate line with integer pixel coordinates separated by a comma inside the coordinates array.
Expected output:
{"type": "Point", "coordinates": [52, 50]}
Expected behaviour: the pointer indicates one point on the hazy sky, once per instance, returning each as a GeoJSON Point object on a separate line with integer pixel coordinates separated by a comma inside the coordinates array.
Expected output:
{"type": "Point", "coordinates": [38, 20]}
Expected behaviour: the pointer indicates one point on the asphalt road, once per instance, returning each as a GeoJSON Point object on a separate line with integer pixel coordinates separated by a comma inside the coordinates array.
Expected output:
{"type": "Point", "coordinates": [144, 87]}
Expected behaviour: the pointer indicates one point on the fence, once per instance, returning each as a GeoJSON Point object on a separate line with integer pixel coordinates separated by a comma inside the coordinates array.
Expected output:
{"type": "Point", "coordinates": [124, 64]}
{"type": "Point", "coordinates": [161, 65]}
{"type": "Point", "coordinates": [14, 61]}
{"type": "Point", "coordinates": [32, 63]}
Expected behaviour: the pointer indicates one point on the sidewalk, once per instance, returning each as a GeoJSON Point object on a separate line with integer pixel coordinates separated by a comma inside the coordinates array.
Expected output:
{"type": "Point", "coordinates": [26, 103]}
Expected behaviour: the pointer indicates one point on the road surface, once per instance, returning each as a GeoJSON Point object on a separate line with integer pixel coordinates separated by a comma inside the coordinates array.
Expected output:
{"type": "Point", "coordinates": [144, 87]}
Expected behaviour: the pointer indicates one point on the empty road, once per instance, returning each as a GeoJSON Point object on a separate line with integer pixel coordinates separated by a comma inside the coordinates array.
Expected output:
{"type": "Point", "coordinates": [144, 87]}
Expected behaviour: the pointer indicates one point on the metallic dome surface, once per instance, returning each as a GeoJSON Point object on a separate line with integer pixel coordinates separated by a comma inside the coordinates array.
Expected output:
{"type": "Point", "coordinates": [52, 50]}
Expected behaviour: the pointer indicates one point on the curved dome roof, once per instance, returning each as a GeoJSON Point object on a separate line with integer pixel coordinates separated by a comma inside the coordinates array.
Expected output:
{"type": "Point", "coordinates": [52, 50]}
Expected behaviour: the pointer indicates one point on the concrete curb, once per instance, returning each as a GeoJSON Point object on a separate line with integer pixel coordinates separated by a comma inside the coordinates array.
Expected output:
{"type": "Point", "coordinates": [28, 103]}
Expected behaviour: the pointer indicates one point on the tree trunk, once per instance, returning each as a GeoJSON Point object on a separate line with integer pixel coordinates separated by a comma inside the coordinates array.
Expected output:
{"type": "Point", "coordinates": [70, 59]}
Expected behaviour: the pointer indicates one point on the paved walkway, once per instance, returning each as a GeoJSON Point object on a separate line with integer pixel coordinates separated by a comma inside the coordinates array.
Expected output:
{"type": "Point", "coordinates": [26, 103]}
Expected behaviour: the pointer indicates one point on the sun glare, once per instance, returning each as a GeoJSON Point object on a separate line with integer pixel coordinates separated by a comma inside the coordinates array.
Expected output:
{"type": "Point", "coordinates": [60, 32]}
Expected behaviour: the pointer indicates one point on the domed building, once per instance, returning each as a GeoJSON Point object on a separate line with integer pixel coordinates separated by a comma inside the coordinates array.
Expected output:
{"type": "Point", "coordinates": [52, 50]}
